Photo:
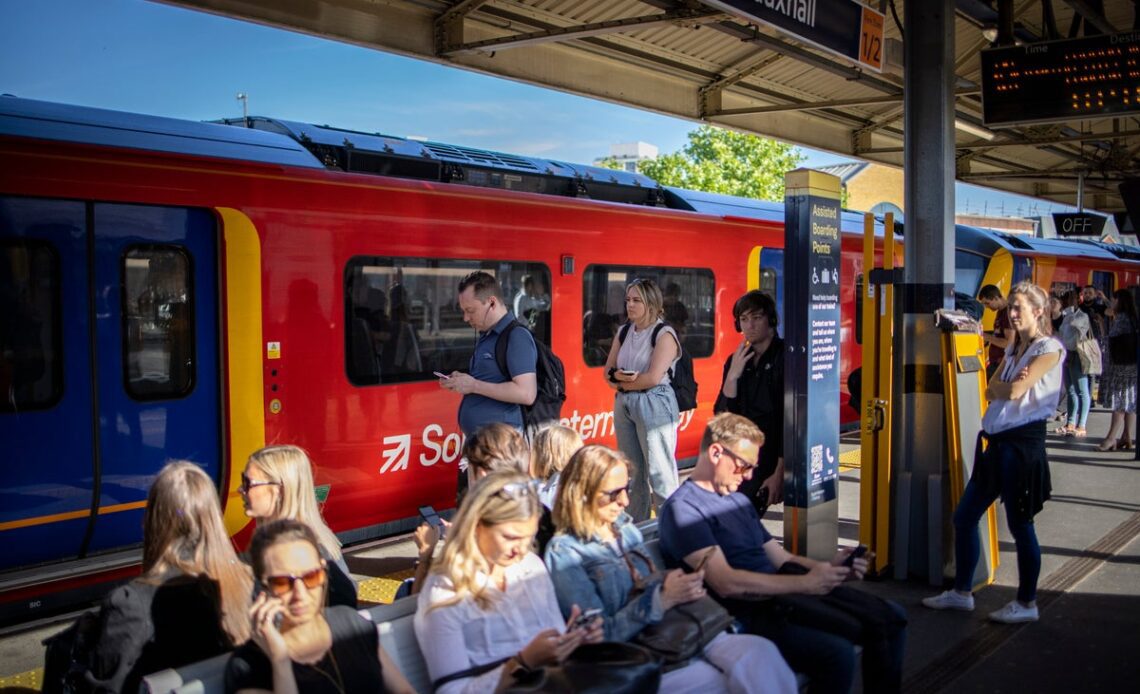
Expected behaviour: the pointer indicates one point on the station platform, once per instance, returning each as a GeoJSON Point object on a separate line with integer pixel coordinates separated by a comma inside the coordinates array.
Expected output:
{"type": "Point", "coordinates": [1089, 596]}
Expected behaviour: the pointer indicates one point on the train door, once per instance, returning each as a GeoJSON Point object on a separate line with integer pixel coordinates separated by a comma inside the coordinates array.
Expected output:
{"type": "Point", "coordinates": [1103, 280]}
{"type": "Point", "coordinates": [116, 369]}
{"type": "Point", "coordinates": [771, 278]}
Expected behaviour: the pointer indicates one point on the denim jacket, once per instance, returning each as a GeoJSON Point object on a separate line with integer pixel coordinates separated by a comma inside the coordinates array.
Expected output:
{"type": "Point", "coordinates": [591, 573]}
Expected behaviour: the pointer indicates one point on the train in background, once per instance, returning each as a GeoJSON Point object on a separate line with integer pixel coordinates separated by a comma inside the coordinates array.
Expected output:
{"type": "Point", "coordinates": [183, 290]}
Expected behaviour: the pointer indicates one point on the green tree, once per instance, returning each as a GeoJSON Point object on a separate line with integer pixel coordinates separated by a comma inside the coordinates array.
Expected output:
{"type": "Point", "coordinates": [723, 161]}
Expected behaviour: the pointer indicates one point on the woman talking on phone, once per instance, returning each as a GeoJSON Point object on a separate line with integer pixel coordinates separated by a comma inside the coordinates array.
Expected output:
{"type": "Point", "coordinates": [645, 408]}
{"type": "Point", "coordinates": [298, 645]}
{"type": "Point", "coordinates": [488, 607]}
{"type": "Point", "coordinates": [1023, 395]}
{"type": "Point", "coordinates": [278, 483]}
{"type": "Point", "coordinates": [598, 560]}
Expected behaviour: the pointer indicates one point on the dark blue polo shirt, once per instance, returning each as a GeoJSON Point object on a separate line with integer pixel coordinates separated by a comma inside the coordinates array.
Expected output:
{"type": "Point", "coordinates": [522, 355]}
{"type": "Point", "coordinates": [694, 518]}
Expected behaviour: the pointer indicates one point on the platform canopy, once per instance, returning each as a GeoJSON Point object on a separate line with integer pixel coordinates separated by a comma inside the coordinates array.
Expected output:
{"type": "Point", "coordinates": [707, 62]}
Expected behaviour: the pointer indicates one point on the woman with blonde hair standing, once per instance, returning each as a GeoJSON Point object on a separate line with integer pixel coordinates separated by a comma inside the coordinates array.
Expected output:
{"type": "Point", "coordinates": [488, 607]}
{"type": "Point", "coordinates": [191, 601]}
{"type": "Point", "coordinates": [1023, 395]}
{"type": "Point", "coordinates": [594, 531]}
{"type": "Point", "coordinates": [645, 408]}
{"type": "Point", "coordinates": [278, 483]}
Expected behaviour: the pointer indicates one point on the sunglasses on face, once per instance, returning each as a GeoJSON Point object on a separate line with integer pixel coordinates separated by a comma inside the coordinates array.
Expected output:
{"type": "Point", "coordinates": [283, 584]}
{"type": "Point", "coordinates": [742, 465]}
{"type": "Point", "coordinates": [248, 484]}
{"type": "Point", "coordinates": [614, 494]}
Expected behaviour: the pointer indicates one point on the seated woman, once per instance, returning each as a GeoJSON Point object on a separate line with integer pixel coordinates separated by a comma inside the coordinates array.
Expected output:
{"type": "Point", "coordinates": [489, 599]}
{"type": "Point", "coordinates": [598, 560]}
{"type": "Point", "coordinates": [298, 645]}
{"type": "Point", "coordinates": [278, 483]}
{"type": "Point", "coordinates": [552, 449]}
{"type": "Point", "coordinates": [191, 600]}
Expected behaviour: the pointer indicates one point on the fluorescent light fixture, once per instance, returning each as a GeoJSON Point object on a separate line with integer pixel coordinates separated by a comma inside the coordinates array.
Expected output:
{"type": "Point", "coordinates": [975, 130]}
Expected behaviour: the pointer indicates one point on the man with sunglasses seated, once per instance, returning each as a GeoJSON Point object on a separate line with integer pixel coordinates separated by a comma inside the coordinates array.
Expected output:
{"type": "Point", "coordinates": [796, 602]}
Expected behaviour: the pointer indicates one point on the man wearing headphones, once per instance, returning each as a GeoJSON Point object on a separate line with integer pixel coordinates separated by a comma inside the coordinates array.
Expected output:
{"type": "Point", "coordinates": [753, 386]}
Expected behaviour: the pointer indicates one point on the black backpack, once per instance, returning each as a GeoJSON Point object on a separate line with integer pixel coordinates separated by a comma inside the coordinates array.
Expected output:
{"type": "Point", "coordinates": [681, 376]}
{"type": "Point", "coordinates": [548, 372]}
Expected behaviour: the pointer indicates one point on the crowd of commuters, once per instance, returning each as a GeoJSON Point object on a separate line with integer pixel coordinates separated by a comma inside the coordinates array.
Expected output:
{"type": "Point", "coordinates": [544, 553]}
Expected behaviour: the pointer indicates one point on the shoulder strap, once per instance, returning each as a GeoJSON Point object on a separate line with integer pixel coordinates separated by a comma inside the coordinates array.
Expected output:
{"type": "Point", "coordinates": [501, 347]}
{"type": "Point", "coordinates": [623, 332]}
{"type": "Point", "coordinates": [474, 671]}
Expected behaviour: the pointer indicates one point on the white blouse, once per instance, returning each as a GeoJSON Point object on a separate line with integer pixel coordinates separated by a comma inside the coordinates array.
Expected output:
{"type": "Point", "coordinates": [462, 635]}
{"type": "Point", "coordinates": [1039, 402]}
{"type": "Point", "coordinates": [636, 352]}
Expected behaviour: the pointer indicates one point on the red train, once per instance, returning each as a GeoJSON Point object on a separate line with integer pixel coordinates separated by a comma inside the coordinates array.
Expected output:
{"type": "Point", "coordinates": [197, 290]}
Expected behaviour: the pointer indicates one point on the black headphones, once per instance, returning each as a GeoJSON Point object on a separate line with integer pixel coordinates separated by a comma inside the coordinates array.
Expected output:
{"type": "Point", "coordinates": [755, 300]}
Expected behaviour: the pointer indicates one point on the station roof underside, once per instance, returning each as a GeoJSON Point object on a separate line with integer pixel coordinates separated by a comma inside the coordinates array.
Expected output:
{"type": "Point", "coordinates": [687, 59]}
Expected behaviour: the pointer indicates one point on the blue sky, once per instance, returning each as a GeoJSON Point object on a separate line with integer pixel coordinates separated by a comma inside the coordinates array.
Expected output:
{"type": "Point", "coordinates": [146, 57]}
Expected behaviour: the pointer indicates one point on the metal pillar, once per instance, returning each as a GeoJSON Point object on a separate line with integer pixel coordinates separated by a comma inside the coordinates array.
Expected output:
{"type": "Point", "coordinates": [921, 493]}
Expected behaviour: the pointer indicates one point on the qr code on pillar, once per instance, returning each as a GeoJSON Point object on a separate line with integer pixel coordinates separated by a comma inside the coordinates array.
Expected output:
{"type": "Point", "coordinates": [817, 460]}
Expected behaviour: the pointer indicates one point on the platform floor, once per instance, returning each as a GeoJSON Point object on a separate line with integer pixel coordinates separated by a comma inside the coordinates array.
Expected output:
{"type": "Point", "coordinates": [1087, 640]}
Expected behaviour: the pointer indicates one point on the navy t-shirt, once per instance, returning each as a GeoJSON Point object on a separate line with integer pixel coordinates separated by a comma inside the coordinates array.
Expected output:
{"type": "Point", "coordinates": [693, 518]}
{"type": "Point", "coordinates": [522, 357]}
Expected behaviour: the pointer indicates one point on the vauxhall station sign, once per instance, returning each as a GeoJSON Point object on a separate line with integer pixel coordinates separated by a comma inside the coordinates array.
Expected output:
{"type": "Point", "coordinates": [843, 27]}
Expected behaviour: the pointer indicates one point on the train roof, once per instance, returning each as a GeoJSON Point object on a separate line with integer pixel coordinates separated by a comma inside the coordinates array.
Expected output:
{"type": "Point", "coordinates": [51, 121]}
{"type": "Point", "coordinates": [751, 208]}
{"type": "Point", "coordinates": [988, 241]}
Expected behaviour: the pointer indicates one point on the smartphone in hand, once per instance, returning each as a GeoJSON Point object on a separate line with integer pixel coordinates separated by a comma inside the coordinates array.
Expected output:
{"type": "Point", "coordinates": [586, 618]}
{"type": "Point", "coordinates": [431, 517]}
{"type": "Point", "coordinates": [441, 375]}
{"type": "Point", "coordinates": [855, 554]}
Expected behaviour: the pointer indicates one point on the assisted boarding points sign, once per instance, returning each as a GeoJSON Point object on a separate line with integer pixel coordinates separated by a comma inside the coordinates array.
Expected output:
{"type": "Point", "coordinates": [843, 27]}
{"type": "Point", "coordinates": [811, 320]}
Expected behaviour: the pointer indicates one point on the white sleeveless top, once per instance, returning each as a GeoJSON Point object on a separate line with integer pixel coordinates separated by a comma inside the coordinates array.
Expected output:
{"type": "Point", "coordinates": [637, 350]}
{"type": "Point", "coordinates": [1039, 402]}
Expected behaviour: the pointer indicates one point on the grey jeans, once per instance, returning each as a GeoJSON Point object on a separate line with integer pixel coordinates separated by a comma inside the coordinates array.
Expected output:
{"type": "Point", "coordinates": [645, 423]}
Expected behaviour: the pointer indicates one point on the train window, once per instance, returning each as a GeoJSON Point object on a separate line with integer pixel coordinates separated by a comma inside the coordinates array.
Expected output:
{"type": "Point", "coordinates": [31, 353]}
{"type": "Point", "coordinates": [1022, 270]}
{"type": "Point", "coordinates": [158, 322]}
{"type": "Point", "coordinates": [402, 319]}
{"type": "Point", "coordinates": [688, 293]}
{"type": "Point", "coordinates": [969, 269]}
{"type": "Point", "coordinates": [1104, 281]}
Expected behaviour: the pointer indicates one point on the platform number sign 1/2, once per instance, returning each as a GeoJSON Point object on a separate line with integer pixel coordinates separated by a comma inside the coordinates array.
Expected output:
{"type": "Point", "coordinates": [871, 40]}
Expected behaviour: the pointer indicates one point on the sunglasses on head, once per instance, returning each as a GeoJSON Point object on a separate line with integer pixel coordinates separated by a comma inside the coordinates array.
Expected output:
{"type": "Point", "coordinates": [282, 584]}
{"type": "Point", "coordinates": [248, 484]}
{"type": "Point", "coordinates": [519, 490]}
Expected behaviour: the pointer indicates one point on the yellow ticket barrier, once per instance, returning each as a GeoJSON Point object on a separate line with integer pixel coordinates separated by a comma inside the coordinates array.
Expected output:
{"type": "Point", "coordinates": [964, 380]}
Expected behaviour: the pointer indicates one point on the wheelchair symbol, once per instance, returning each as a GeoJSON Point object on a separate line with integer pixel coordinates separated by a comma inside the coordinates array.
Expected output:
{"type": "Point", "coordinates": [814, 276]}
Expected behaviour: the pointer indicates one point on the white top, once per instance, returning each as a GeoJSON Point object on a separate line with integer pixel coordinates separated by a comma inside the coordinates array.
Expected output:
{"type": "Point", "coordinates": [461, 635]}
{"type": "Point", "coordinates": [1039, 402]}
{"type": "Point", "coordinates": [637, 350]}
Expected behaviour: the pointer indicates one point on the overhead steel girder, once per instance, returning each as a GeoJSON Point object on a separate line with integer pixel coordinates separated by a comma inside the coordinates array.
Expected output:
{"type": "Point", "coordinates": [1091, 15]}
{"type": "Point", "coordinates": [574, 32]}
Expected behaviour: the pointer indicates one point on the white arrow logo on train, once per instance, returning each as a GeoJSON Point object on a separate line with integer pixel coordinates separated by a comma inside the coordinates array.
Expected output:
{"type": "Point", "coordinates": [397, 455]}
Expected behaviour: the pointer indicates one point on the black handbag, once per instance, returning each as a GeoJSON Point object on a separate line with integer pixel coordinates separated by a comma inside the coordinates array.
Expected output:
{"type": "Point", "coordinates": [593, 668]}
{"type": "Point", "coordinates": [684, 631]}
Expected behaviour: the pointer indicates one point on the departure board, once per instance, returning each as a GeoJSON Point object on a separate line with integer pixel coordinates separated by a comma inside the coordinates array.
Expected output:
{"type": "Point", "coordinates": [1070, 79]}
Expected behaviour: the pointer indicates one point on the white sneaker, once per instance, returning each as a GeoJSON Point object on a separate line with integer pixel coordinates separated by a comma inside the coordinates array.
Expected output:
{"type": "Point", "coordinates": [950, 600]}
{"type": "Point", "coordinates": [1015, 613]}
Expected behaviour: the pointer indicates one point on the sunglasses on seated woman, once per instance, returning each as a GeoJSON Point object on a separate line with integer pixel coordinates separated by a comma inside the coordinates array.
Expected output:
{"type": "Point", "coordinates": [283, 584]}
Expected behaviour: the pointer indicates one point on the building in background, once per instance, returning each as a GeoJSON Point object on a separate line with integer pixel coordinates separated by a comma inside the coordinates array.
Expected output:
{"type": "Point", "coordinates": [628, 154]}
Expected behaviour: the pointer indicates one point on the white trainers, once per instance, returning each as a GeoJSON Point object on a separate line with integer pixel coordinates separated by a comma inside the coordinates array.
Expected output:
{"type": "Point", "coordinates": [950, 600]}
{"type": "Point", "coordinates": [1015, 613]}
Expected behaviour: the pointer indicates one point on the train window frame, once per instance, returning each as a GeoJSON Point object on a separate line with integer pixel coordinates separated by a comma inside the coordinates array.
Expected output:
{"type": "Point", "coordinates": [591, 352]}
{"type": "Point", "coordinates": [56, 306]}
{"type": "Point", "coordinates": [190, 338]}
{"type": "Point", "coordinates": [430, 360]}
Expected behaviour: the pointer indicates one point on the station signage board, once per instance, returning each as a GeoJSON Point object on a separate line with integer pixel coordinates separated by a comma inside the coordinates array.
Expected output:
{"type": "Point", "coordinates": [1078, 224]}
{"type": "Point", "coordinates": [843, 27]}
{"type": "Point", "coordinates": [1069, 79]}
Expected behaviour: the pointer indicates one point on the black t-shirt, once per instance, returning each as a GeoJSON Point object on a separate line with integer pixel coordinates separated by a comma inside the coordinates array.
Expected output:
{"type": "Point", "coordinates": [760, 398]}
{"type": "Point", "coordinates": [351, 665]}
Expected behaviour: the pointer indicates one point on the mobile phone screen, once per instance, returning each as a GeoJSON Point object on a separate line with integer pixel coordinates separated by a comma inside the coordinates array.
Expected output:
{"type": "Point", "coordinates": [855, 554]}
{"type": "Point", "coordinates": [430, 516]}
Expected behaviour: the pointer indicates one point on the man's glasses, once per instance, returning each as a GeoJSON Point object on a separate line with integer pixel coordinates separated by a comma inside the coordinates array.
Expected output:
{"type": "Point", "coordinates": [248, 484]}
{"type": "Point", "coordinates": [742, 465]}
{"type": "Point", "coordinates": [614, 494]}
{"type": "Point", "coordinates": [283, 584]}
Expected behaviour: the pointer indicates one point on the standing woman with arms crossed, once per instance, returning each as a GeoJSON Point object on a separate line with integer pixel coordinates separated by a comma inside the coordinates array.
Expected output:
{"type": "Point", "coordinates": [645, 408]}
{"type": "Point", "coordinates": [278, 483]}
{"type": "Point", "coordinates": [1023, 394]}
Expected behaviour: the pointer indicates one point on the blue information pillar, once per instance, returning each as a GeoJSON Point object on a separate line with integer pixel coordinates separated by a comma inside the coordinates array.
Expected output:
{"type": "Point", "coordinates": [811, 367]}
